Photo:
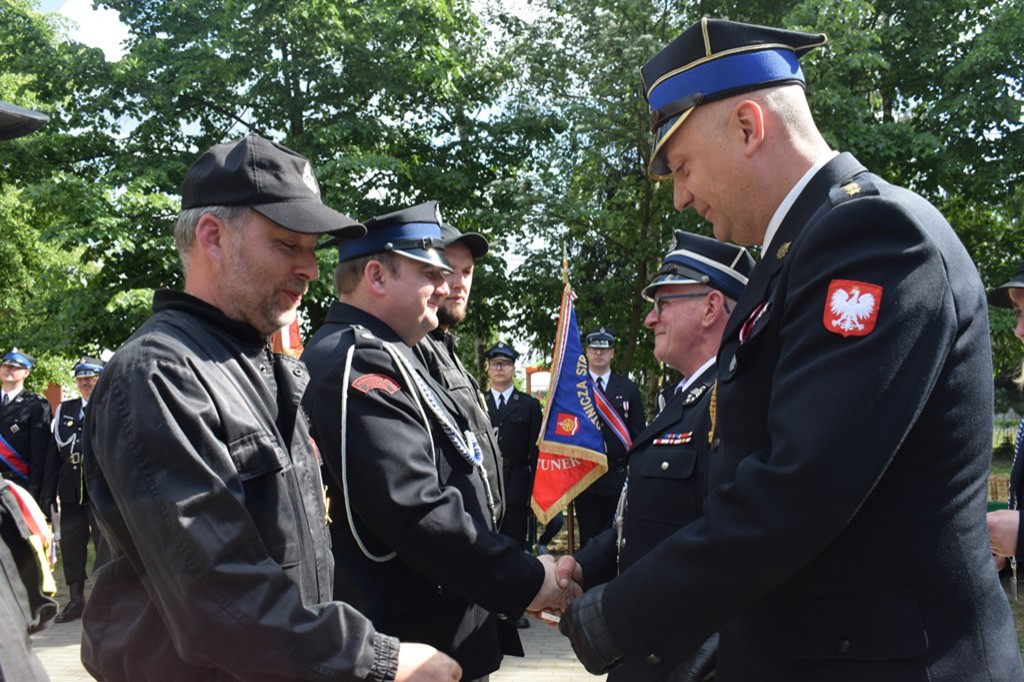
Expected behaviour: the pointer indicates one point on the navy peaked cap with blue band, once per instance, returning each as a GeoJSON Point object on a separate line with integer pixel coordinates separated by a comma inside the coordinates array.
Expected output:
{"type": "Point", "coordinates": [601, 337]}
{"type": "Point", "coordinates": [712, 60]}
{"type": "Point", "coordinates": [88, 367]}
{"type": "Point", "coordinates": [696, 259]}
{"type": "Point", "coordinates": [17, 358]}
{"type": "Point", "coordinates": [413, 232]}
{"type": "Point", "coordinates": [501, 350]}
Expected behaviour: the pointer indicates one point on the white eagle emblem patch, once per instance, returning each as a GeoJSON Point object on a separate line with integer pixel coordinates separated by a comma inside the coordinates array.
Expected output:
{"type": "Point", "coordinates": [851, 307]}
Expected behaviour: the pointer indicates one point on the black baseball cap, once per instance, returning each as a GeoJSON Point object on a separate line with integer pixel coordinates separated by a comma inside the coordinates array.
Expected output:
{"type": "Point", "coordinates": [474, 241]}
{"type": "Point", "coordinates": [271, 179]}
{"type": "Point", "coordinates": [1000, 296]}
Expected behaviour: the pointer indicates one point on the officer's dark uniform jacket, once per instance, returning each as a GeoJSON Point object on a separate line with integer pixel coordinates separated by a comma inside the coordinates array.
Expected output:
{"type": "Point", "coordinates": [437, 353]}
{"type": "Point", "coordinates": [518, 427]}
{"type": "Point", "coordinates": [414, 539]}
{"type": "Point", "coordinates": [25, 425]}
{"type": "Point", "coordinates": [624, 395]}
{"type": "Point", "coordinates": [667, 481]}
{"type": "Point", "coordinates": [205, 483]}
{"type": "Point", "coordinates": [847, 537]}
{"type": "Point", "coordinates": [64, 474]}
{"type": "Point", "coordinates": [24, 608]}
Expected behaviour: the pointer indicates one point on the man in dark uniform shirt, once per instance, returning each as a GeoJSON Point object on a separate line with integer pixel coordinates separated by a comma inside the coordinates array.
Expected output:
{"type": "Point", "coordinates": [595, 506]}
{"type": "Point", "coordinates": [65, 479]}
{"type": "Point", "coordinates": [694, 292]}
{"type": "Point", "coordinates": [516, 417]}
{"type": "Point", "coordinates": [24, 425]}
{"type": "Point", "coordinates": [415, 511]}
{"type": "Point", "coordinates": [844, 536]}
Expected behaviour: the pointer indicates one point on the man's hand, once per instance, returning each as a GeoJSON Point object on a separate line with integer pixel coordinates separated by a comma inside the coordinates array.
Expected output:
{"type": "Point", "coordinates": [424, 663]}
{"type": "Point", "coordinates": [49, 507]}
{"type": "Point", "coordinates": [558, 588]}
{"type": "Point", "coordinates": [1002, 531]}
{"type": "Point", "coordinates": [583, 623]}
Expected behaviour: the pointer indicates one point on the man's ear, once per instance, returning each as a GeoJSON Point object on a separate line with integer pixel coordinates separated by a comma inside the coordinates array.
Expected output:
{"type": "Point", "coordinates": [209, 236]}
{"type": "Point", "coordinates": [748, 121]}
{"type": "Point", "coordinates": [377, 276]}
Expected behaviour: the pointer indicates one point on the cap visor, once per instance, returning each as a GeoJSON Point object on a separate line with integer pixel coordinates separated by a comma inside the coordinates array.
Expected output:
{"type": "Point", "coordinates": [311, 217]}
{"type": "Point", "coordinates": [16, 121]}
{"type": "Point", "coordinates": [658, 167]}
{"type": "Point", "coordinates": [429, 256]}
{"type": "Point", "coordinates": [1000, 296]}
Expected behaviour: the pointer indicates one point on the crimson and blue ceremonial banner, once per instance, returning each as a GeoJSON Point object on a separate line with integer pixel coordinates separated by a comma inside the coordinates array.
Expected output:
{"type": "Point", "coordinates": [572, 452]}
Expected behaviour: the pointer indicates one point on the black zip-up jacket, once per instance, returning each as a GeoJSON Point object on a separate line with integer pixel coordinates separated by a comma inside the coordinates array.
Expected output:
{"type": "Point", "coordinates": [204, 481]}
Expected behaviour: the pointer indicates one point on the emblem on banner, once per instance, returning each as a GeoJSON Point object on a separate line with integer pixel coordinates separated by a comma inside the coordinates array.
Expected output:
{"type": "Point", "coordinates": [851, 307]}
{"type": "Point", "coordinates": [567, 424]}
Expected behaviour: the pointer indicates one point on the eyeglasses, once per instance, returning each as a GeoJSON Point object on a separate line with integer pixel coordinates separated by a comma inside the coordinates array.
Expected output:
{"type": "Point", "coordinates": [659, 301]}
{"type": "Point", "coordinates": [499, 365]}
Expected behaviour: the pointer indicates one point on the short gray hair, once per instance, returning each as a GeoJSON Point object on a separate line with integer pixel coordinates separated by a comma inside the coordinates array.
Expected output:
{"type": "Point", "coordinates": [185, 225]}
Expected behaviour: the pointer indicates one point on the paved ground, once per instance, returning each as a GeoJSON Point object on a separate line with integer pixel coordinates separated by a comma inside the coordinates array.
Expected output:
{"type": "Point", "coordinates": [548, 656]}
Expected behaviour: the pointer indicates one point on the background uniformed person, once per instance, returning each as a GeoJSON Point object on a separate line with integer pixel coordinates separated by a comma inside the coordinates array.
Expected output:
{"type": "Point", "coordinates": [415, 532]}
{"type": "Point", "coordinates": [693, 293]}
{"type": "Point", "coordinates": [595, 506]}
{"type": "Point", "coordinates": [844, 536]}
{"type": "Point", "coordinates": [65, 480]}
{"type": "Point", "coordinates": [24, 425]}
{"type": "Point", "coordinates": [516, 417]}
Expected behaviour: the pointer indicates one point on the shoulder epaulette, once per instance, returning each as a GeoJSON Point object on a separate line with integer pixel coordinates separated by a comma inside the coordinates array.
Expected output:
{"type": "Point", "coordinates": [365, 339]}
{"type": "Point", "coordinates": [861, 186]}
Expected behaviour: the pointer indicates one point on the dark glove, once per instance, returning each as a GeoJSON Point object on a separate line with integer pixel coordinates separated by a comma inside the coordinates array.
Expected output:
{"type": "Point", "coordinates": [49, 506]}
{"type": "Point", "coordinates": [583, 623]}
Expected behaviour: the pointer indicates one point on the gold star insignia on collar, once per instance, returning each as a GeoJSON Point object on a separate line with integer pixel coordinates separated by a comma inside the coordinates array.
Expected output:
{"type": "Point", "coordinates": [851, 189]}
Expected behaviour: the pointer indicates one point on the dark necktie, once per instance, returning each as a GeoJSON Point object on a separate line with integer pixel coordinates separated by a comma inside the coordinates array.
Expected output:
{"type": "Point", "coordinates": [6, 400]}
{"type": "Point", "coordinates": [600, 383]}
{"type": "Point", "coordinates": [501, 402]}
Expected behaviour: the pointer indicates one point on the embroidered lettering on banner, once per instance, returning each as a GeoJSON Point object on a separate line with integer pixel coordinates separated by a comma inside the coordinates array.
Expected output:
{"type": "Point", "coordinates": [851, 307]}
{"type": "Point", "coordinates": [371, 382]}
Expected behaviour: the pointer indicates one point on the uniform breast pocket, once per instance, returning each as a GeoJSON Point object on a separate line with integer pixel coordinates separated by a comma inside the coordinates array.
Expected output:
{"type": "Point", "coordinates": [666, 487]}
{"type": "Point", "coordinates": [270, 495]}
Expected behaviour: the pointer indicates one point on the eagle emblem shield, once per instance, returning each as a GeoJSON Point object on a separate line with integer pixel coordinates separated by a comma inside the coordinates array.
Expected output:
{"type": "Point", "coordinates": [851, 307]}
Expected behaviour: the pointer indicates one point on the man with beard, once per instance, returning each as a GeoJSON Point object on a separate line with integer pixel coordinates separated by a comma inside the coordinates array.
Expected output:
{"type": "Point", "coordinates": [415, 505]}
{"type": "Point", "coordinates": [199, 463]}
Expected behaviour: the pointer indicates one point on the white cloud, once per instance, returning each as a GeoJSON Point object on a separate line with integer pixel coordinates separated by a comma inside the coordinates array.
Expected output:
{"type": "Point", "coordinates": [100, 28]}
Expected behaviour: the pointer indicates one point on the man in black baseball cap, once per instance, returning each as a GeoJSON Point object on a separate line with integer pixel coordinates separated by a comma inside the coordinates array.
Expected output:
{"type": "Point", "coordinates": [199, 463]}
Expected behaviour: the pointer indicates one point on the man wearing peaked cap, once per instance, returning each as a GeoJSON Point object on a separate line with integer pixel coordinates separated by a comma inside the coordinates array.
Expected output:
{"type": "Point", "coordinates": [595, 506]}
{"type": "Point", "coordinates": [693, 294]}
{"type": "Point", "coordinates": [195, 440]}
{"type": "Point", "coordinates": [516, 417]}
{"type": "Point", "coordinates": [24, 424]}
{"type": "Point", "coordinates": [412, 489]}
{"type": "Point", "coordinates": [851, 442]}
{"type": "Point", "coordinates": [65, 480]}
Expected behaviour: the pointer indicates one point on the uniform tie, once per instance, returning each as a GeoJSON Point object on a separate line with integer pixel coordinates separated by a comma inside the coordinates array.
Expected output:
{"type": "Point", "coordinates": [6, 400]}
{"type": "Point", "coordinates": [600, 383]}
{"type": "Point", "coordinates": [501, 402]}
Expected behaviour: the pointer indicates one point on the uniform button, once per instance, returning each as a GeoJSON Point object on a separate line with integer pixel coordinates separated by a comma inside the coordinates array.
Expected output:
{"type": "Point", "coordinates": [664, 466]}
{"type": "Point", "coordinates": [844, 646]}
{"type": "Point", "coordinates": [714, 444]}
{"type": "Point", "coordinates": [297, 372]}
{"type": "Point", "coordinates": [732, 364]}
{"type": "Point", "coordinates": [263, 368]}
{"type": "Point", "coordinates": [652, 659]}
